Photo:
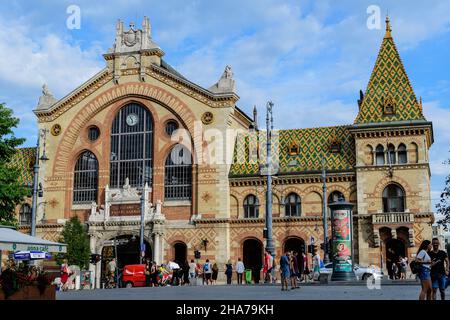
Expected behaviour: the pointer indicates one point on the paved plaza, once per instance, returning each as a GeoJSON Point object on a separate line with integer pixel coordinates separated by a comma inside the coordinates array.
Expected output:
{"type": "Point", "coordinates": [386, 291]}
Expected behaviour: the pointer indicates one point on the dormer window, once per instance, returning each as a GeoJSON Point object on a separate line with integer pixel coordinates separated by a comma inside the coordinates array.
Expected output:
{"type": "Point", "coordinates": [335, 147]}
{"type": "Point", "coordinates": [294, 149]}
{"type": "Point", "coordinates": [389, 108]}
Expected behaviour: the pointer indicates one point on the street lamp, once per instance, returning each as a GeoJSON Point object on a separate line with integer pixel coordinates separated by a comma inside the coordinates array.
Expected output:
{"type": "Point", "coordinates": [326, 258]}
{"type": "Point", "coordinates": [269, 126]}
{"type": "Point", "coordinates": [43, 133]}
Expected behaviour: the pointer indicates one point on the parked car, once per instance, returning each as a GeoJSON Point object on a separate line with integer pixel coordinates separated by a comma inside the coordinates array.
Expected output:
{"type": "Point", "coordinates": [133, 275]}
{"type": "Point", "coordinates": [361, 273]}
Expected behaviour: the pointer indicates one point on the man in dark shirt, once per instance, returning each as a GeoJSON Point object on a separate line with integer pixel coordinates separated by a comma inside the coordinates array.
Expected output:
{"type": "Point", "coordinates": [439, 271]}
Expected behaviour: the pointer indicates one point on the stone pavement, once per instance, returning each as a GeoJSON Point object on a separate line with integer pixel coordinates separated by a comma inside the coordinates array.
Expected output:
{"type": "Point", "coordinates": [408, 290]}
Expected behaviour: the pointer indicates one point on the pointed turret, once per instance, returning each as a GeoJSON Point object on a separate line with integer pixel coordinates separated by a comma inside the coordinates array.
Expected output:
{"type": "Point", "coordinates": [389, 95]}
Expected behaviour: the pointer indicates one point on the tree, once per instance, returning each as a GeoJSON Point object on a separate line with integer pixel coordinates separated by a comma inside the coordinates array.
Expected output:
{"type": "Point", "coordinates": [12, 191]}
{"type": "Point", "coordinates": [75, 235]}
{"type": "Point", "coordinates": [443, 207]}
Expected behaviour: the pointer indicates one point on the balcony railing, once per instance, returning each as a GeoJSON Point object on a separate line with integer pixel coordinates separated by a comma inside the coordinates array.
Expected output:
{"type": "Point", "coordinates": [393, 218]}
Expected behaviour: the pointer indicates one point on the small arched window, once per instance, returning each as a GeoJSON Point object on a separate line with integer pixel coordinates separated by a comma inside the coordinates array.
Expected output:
{"type": "Point", "coordinates": [369, 153]}
{"type": "Point", "coordinates": [251, 206]}
{"type": "Point", "coordinates": [379, 154]}
{"type": "Point", "coordinates": [25, 215]}
{"type": "Point", "coordinates": [393, 199]}
{"type": "Point", "coordinates": [178, 174]}
{"type": "Point", "coordinates": [85, 178]}
{"type": "Point", "coordinates": [414, 153]}
{"type": "Point", "coordinates": [402, 155]}
{"type": "Point", "coordinates": [391, 154]}
{"type": "Point", "coordinates": [292, 205]}
{"type": "Point", "coordinates": [336, 196]}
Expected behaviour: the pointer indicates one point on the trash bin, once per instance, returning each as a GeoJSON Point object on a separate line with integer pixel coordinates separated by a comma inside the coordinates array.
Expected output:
{"type": "Point", "coordinates": [248, 276]}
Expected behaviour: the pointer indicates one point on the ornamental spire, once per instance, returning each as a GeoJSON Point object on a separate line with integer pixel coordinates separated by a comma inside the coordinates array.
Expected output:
{"type": "Point", "coordinates": [388, 28]}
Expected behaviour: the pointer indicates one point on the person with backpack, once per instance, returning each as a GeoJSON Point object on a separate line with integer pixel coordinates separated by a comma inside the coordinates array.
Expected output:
{"type": "Point", "coordinates": [240, 268]}
{"type": "Point", "coordinates": [284, 270]}
{"type": "Point", "coordinates": [207, 272]}
{"type": "Point", "coordinates": [424, 263]}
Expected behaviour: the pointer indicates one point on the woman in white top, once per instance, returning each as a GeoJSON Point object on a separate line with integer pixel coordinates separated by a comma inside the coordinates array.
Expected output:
{"type": "Point", "coordinates": [424, 260]}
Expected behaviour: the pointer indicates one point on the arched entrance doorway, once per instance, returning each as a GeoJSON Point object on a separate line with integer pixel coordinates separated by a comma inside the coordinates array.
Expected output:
{"type": "Point", "coordinates": [179, 252]}
{"type": "Point", "coordinates": [127, 253]}
{"type": "Point", "coordinates": [394, 249]}
{"type": "Point", "coordinates": [294, 244]}
{"type": "Point", "coordinates": [253, 257]}
{"type": "Point", "coordinates": [297, 245]}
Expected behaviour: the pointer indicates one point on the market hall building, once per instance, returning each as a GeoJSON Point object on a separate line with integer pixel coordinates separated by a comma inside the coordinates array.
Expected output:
{"type": "Point", "coordinates": [139, 128]}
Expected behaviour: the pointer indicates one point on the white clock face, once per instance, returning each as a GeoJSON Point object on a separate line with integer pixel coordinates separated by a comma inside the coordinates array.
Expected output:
{"type": "Point", "coordinates": [132, 119]}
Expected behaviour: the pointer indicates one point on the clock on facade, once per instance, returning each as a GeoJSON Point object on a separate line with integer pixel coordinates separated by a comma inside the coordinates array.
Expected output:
{"type": "Point", "coordinates": [132, 119]}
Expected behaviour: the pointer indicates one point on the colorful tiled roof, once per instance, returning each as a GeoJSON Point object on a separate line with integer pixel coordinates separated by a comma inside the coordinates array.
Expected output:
{"type": "Point", "coordinates": [389, 82]}
{"type": "Point", "coordinates": [24, 160]}
{"type": "Point", "coordinates": [312, 144]}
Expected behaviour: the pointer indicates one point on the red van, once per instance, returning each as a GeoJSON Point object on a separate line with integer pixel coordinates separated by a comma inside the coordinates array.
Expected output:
{"type": "Point", "coordinates": [133, 275]}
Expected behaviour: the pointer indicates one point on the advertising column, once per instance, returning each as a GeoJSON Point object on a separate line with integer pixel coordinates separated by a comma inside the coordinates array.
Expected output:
{"type": "Point", "coordinates": [341, 244]}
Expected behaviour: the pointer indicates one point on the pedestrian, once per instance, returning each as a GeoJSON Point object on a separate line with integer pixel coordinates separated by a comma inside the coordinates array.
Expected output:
{"type": "Point", "coordinates": [207, 272]}
{"type": "Point", "coordinates": [111, 272]}
{"type": "Point", "coordinates": [305, 267]}
{"type": "Point", "coordinates": [394, 270]}
{"type": "Point", "coordinates": [284, 269]}
{"type": "Point", "coordinates": [154, 274]}
{"type": "Point", "coordinates": [240, 268]}
{"type": "Point", "coordinates": [316, 266]}
{"type": "Point", "coordinates": [65, 273]}
{"type": "Point", "coordinates": [147, 272]}
{"type": "Point", "coordinates": [440, 269]}
{"type": "Point", "coordinates": [301, 266]}
{"type": "Point", "coordinates": [185, 270]}
{"type": "Point", "coordinates": [215, 273]}
{"type": "Point", "coordinates": [403, 264]}
{"type": "Point", "coordinates": [424, 261]}
{"type": "Point", "coordinates": [192, 270]}
{"type": "Point", "coordinates": [268, 265]}
{"type": "Point", "coordinates": [229, 271]}
{"type": "Point", "coordinates": [294, 278]}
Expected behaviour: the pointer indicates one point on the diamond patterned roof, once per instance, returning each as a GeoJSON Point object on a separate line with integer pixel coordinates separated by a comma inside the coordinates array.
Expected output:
{"type": "Point", "coordinates": [312, 143]}
{"type": "Point", "coordinates": [24, 160]}
{"type": "Point", "coordinates": [389, 81]}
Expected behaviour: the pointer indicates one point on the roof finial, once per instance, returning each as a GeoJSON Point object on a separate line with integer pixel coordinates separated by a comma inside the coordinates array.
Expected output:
{"type": "Point", "coordinates": [388, 27]}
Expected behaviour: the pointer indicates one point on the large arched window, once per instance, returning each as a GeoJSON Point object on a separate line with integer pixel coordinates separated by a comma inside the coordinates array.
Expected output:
{"type": "Point", "coordinates": [178, 174]}
{"type": "Point", "coordinates": [379, 154]}
{"type": "Point", "coordinates": [131, 147]}
{"type": "Point", "coordinates": [292, 205]}
{"type": "Point", "coordinates": [336, 196]}
{"type": "Point", "coordinates": [251, 206]}
{"type": "Point", "coordinates": [25, 215]}
{"type": "Point", "coordinates": [85, 178]}
{"type": "Point", "coordinates": [402, 155]}
{"type": "Point", "coordinates": [391, 154]}
{"type": "Point", "coordinates": [393, 199]}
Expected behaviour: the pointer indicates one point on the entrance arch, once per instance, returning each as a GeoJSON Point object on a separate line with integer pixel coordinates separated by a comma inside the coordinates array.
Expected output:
{"type": "Point", "coordinates": [128, 253]}
{"type": "Point", "coordinates": [252, 253]}
{"type": "Point", "coordinates": [179, 252]}
{"type": "Point", "coordinates": [394, 249]}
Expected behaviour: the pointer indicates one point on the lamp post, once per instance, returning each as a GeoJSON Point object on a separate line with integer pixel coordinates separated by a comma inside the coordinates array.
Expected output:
{"type": "Point", "coordinates": [326, 258]}
{"type": "Point", "coordinates": [141, 236]}
{"type": "Point", "coordinates": [269, 126]}
{"type": "Point", "coordinates": [44, 158]}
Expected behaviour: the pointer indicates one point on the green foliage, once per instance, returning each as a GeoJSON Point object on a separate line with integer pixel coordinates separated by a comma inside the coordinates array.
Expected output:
{"type": "Point", "coordinates": [443, 207]}
{"type": "Point", "coordinates": [12, 191]}
{"type": "Point", "coordinates": [75, 236]}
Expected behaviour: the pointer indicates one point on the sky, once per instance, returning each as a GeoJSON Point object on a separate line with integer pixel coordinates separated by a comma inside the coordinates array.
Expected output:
{"type": "Point", "coordinates": [310, 58]}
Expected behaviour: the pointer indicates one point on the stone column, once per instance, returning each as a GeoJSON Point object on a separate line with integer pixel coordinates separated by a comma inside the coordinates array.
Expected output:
{"type": "Point", "coordinates": [156, 249]}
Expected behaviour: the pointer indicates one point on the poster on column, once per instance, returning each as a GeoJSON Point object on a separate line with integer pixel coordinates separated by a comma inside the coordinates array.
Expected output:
{"type": "Point", "coordinates": [342, 245]}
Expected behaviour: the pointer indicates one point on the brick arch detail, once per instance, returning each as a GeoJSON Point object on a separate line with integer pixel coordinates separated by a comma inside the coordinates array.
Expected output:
{"type": "Point", "coordinates": [383, 183]}
{"type": "Point", "coordinates": [141, 90]}
{"type": "Point", "coordinates": [313, 189]}
{"type": "Point", "coordinates": [339, 188]}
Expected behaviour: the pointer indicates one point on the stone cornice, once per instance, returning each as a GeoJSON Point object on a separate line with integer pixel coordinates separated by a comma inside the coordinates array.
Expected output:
{"type": "Point", "coordinates": [293, 179]}
{"type": "Point", "coordinates": [394, 167]}
{"type": "Point", "coordinates": [222, 100]}
{"type": "Point", "coordinates": [75, 97]}
{"type": "Point", "coordinates": [191, 89]}
{"type": "Point", "coordinates": [257, 220]}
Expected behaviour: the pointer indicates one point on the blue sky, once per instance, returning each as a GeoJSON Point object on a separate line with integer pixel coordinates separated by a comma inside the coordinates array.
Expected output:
{"type": "Point", "coordinates": [310, 57]}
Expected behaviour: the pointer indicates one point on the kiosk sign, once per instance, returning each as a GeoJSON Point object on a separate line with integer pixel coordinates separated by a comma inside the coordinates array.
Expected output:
{"type": "Point", "coordinates": [341, 242]}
